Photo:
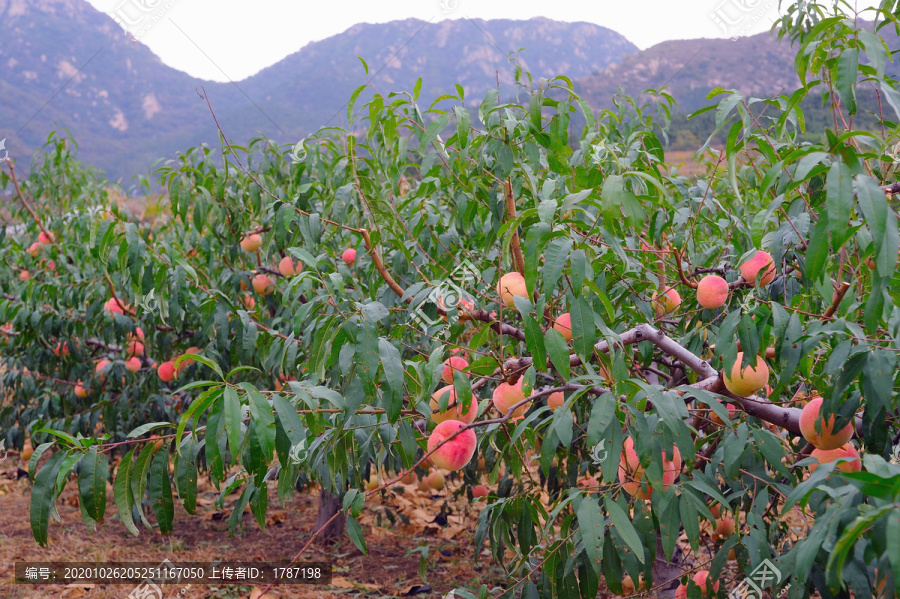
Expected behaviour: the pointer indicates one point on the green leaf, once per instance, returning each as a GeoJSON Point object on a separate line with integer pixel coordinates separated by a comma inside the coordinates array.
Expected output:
{"type": "Point", "coordinates": [160, 489]}
{"type": "Point", "coordinates": [263, 417]}
{"type": "Point", "coordinates": [392, 363]}
{"type": "Point", "coordinates": [355, 531]}
{"type": "Point", "coordinates": [122, 493]}
{"type": "Point", "coordinates": [622, 523]}
{"type": "Point", "coordinates": [146, 428]}
{"type": "Point", "coordinates": [839, 201]}
{"type": "Point", "coordinates": [92, 483]}
{"type": "Point", "coordinates": [232, 415]}
{"type": "Point", "coordinates": [186, 473]}
{"type": "Point", "coordinates": [139, 474]}
{"type": "Point", "coordinates": [36, 456]}
{"type": "Point", "coordinates": [555, 256]}
{"type": "Point", "coordinates": [583, 328]}
{"type": "Point", "coordinates": [847, 75]}
{"type": "Point", "coordinates": [592, 527]}
{"type": "Point", "coordinates": [187, 358]}
{"type": "Point", "coordinates": [259, 504]}
{"type": "Point", "coordinates": [847, 540]}
{"type": "Point", "coordinates": [558, 350]}
{"type": "Point", "coordinates": [197, 407]}
{"type": "Point", "coordinates": [534, 340]}
{"type": "Point", "coordinates": [290, 420]}
{"type": "Point", "coordinates": [42, 496]}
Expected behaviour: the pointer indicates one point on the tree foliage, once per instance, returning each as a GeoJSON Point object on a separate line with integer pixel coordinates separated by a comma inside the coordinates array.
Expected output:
{"type": "Point", "coordinates": [328, 379]}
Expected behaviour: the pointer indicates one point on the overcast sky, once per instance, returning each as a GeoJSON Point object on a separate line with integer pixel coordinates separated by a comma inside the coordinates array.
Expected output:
{"type": "Point", "coordinates": [232, 39]}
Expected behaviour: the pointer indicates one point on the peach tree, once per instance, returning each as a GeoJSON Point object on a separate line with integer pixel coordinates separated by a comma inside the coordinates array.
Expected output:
{"type": "Point", "coordinates": [658, 376]}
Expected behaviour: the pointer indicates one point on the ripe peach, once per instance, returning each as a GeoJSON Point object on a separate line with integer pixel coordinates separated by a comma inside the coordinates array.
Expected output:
{"type": "Point", "coordinates": [263, 284]}
{"type": "Point", "coordinates": [49, 264]}
{"type": "Point", "coordinates": [251, 242]}
{"type": "Point", "coordinates": [425, 484]}
{"type": "Point", "coordinates": [563, 324]}
{"type": "Point", "coordinates": [556, 400]}
{"type": "Point", "coordinates": [80, 391]}
{"type": "Point", "coordinates": [408, 478]}
{"type": "Point", "coordinates": [134, 348]}
{"type": "Point", "coordinates": [506, 395]}
{"type": "Point", "coordinates": [712, 292]}
{"type": "Point", "coordinates": [479, 491]}
{"type": "Point", "coordinates": [811, 420]}
{"type": "Point", "coordinates": [628, 587]}
{"type": "Point", "coordinates": [748, 381]}
{"type": "Point", "coordinates": [666, 303]}
{"type": "Point", "coordinates": [61, 349]}
{"type": "Point", "coordinates": [456, 452]}
{"type": "Point", "coordinates": [725, 527]}
{"type": "Point", "coordinates": [454, 409]}
{"type": "Point", "coordinates": [288, 267]}
{"type": "Point", "coordinates": [450, 365]}
{"type": "Point", "coordinates": [588, 483]}
{"type": "Point", "coordinates": [349, 256]}
{"type": "Point", "coordinates": [511, 284]}
{"type": "Point", "coordinates": [681, 592]}
{"type": "Point", "coordinates": [27, 450]}
{"type": "Point", "coordinates": [167, 371]}
{"type": "Point", "coordinates": [24, 275]}
{"type": "Point", "coordinates": [35, 247]}
{"type": "Point", "coordinates": [114, 306]}
{"type": "Point", "coordinates": [133, 364]}
{"type": "Point", "coordinates": [826, 456]}
{"type": "Point", "coordinates": [762, 261]}
{"type": "Point", "coordinates": [436, 480]}
{"type": "Point", "coordinates": [45, 238]}
{"type": "Point", "coordinates": [716, 509]}
{"type": "Point", "coordinates": [631, 472]}
{"type": "Point", "coordinates": [100, 367]}
{"type": "Point", "coordinates": [700, 579]}
{"type": "Point", "coordinates": [461, 352]}
{"type": "Point", "coordinates": [138, 334]}
{"type": "Point", "coordinates": [248, 301]}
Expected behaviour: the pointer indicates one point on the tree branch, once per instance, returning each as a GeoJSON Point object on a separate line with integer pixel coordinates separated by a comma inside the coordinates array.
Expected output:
{"type": "Point", "coordinates": [514, 245]}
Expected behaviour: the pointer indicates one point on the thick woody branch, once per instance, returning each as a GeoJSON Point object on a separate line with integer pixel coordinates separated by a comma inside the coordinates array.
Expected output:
{"type": "Point", "coordinates": [379, 265]}
{"type": "Point", "coordinates": [839, 294]}
{"type": "Point", "coordinates": [514, 245]}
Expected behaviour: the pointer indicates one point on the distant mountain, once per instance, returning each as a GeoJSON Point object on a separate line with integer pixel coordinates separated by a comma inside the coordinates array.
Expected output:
{"type": "Point", "coordinates": [64, 64]}
{"type": "Point", "coordinates": [317, 81]}
{"type": "Point", "coordinates": [759, 65]}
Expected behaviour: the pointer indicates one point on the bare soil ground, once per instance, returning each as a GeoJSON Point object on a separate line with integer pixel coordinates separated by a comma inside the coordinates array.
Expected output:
{"type": "Point", "coordinates": [387, 570]}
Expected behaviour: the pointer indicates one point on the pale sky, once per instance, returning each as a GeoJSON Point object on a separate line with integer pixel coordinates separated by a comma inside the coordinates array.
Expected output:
{"type": "Point", "coordinates": [232, 39]}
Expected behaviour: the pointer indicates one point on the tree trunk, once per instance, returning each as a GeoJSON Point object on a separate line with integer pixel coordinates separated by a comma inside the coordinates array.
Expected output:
{"type": "Point", "coordinates": [664, 570]}
{"type": "Point", "coordinates": [328, 507]}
